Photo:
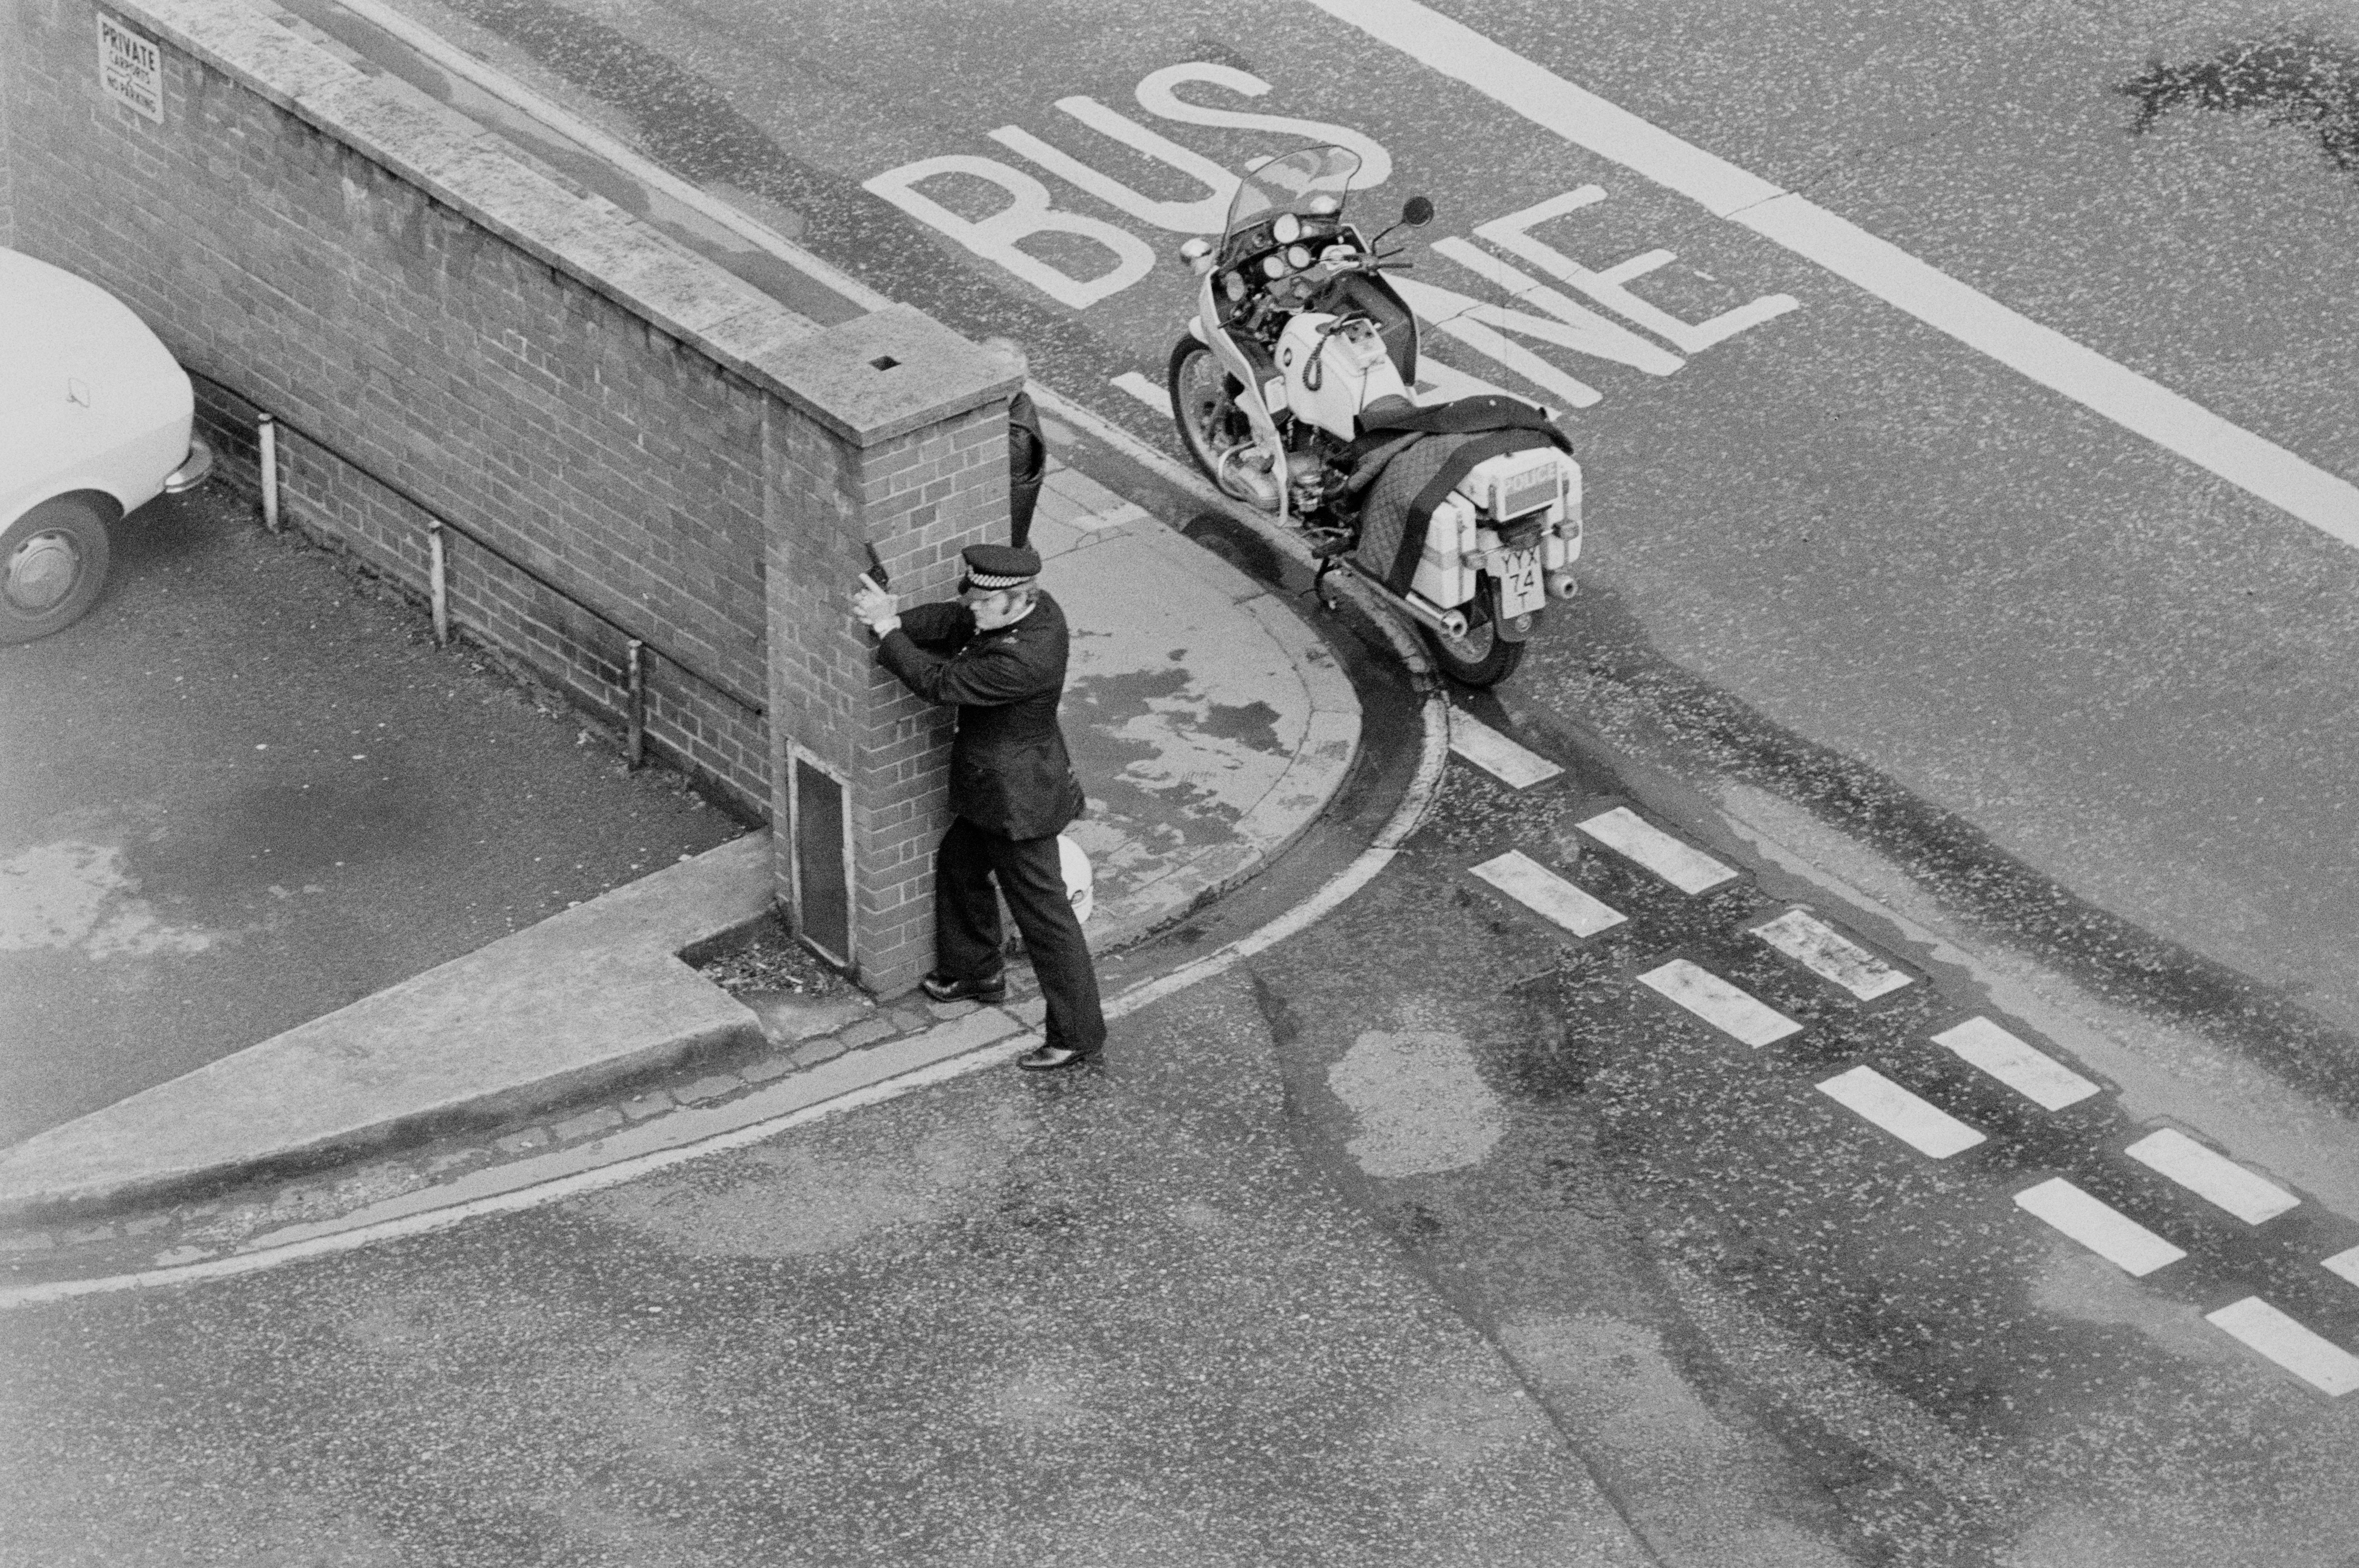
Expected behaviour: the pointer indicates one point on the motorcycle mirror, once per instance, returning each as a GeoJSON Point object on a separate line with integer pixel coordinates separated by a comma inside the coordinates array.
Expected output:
{"type": "Point", "coordinates": [1197, 252]}
{"type": "Point", "coordinates": [1417, 212]}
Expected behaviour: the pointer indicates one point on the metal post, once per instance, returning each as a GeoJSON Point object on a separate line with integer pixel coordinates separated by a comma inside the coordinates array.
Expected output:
{"type": "Point", "coordinates": [270, 465]}
{"type": "Point", "coordinates": [437, 583]}
{"type": "Point", "coordinates": [635, 661]}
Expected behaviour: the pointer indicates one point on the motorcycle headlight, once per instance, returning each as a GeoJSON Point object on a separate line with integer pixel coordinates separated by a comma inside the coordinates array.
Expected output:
{"type": "Point", "coordinates": [1272, 266]}
{"type": "Point", "coordinates": [1286, 230]}
{"type": "Point", "coordinates": [1298, 256]}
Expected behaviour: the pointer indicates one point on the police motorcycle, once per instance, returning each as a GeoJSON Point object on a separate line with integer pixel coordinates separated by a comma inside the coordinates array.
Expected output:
{"type": "Point", "coordinates": [1292, 393]}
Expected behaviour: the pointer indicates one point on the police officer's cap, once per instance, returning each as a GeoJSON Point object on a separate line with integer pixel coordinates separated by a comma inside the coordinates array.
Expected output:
{"type": "Point", "coordinates": [993, 567]}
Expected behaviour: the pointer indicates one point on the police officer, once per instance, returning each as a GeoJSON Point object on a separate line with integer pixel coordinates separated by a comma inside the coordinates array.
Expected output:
{"type": "Point", "coordinates": [998, 654]}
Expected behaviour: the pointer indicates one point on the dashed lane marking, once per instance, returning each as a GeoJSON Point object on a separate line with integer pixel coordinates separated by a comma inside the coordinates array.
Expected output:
{"type": "Point", "coordinates": [1497, 756]}
{"type": "Point", "coordinates": [1832, 956]}
{"type": "Point", "coordinates": [2103, 1230]}
{"type": "Point", "coordinates": [1156, 397]}
{"type": "Point", "coordinates": [1922, 1126]}
{"type": "Point", "coordinates": [2316, 1360]}
{"type": "Point", "coordinates": [1681, 865]}
{"type": "Point", "coordinates": [2211, 1176]}
{"type": "Point", "coordinates": [1720, 1004]}
{"type": "Point", "coordinates": [2345, 1263]}
{"type": "Point", "coordinates": [2047, 1083]}
{"type": "Point", "coordinates": [1525, 879]}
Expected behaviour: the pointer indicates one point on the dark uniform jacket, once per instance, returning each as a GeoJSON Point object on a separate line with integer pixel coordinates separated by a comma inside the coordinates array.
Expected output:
{"type": "Point", "coordinates": [1010, 773]}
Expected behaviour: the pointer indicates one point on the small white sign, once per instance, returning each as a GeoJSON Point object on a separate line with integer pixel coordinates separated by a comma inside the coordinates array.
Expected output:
{"type": "Point", "coordinates": [130, 67]}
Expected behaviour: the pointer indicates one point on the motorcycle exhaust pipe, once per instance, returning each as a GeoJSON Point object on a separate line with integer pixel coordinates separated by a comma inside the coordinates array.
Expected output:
{"type": "Point", "coordinates": [1562, 585]}
{"type": "Point", "coordinates": [1450, 624]}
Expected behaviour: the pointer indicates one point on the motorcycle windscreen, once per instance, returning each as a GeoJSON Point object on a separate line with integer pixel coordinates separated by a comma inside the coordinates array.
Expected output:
{"type": "Point", "coordinates": [1311, 182]}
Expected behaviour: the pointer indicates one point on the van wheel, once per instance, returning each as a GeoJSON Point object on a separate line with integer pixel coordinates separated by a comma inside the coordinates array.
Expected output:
{"type": "Point", "coordinates": [53, 563]}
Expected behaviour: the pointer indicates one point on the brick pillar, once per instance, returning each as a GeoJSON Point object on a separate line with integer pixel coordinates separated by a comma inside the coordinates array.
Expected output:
{"type": "Point", "coordinates": [893, 431]}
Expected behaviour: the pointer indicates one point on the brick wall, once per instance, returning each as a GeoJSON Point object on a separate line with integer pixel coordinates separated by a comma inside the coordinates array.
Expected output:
{"type": "Point", "coordinates": [673, 455]}
{"type": "Point", "coordinates": [274, 229]}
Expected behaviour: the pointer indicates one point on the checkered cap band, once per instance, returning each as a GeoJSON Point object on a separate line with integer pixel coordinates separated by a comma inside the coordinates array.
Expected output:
{"type": "Point", "coordinates": [992, 582]}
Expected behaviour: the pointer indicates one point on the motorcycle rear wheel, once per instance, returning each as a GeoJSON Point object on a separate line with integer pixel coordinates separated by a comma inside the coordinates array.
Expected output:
{"type": "Point", "coordinates": [1481, 658]}
{"type": "Point", "coordinates": [1204, 407]}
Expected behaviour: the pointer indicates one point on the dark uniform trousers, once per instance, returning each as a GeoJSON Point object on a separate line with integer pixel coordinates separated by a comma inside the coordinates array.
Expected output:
{"type": "Point", "coordinates": [1027, 463]}
{"type": "Point", "coordinates": [1012, 789]}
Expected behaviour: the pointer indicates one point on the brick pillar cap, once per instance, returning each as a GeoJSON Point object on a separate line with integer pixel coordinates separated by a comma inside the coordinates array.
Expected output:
{"type": "Point", "coordinates": [888, 373]}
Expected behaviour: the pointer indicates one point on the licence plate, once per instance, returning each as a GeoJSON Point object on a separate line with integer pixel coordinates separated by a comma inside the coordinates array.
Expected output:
{"type": "Point", "coordinates": [1521, 589]}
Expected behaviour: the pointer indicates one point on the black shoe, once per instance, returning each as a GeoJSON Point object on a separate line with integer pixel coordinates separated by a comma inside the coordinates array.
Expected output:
{"type": "Point", "coordinates": [1048, 1058]}
{"type": "Point", "coordinates": [942, 987]}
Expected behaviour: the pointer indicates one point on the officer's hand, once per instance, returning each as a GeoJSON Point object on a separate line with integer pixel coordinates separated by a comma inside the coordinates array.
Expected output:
{"type": "Point", "coordinates": [879, 609]}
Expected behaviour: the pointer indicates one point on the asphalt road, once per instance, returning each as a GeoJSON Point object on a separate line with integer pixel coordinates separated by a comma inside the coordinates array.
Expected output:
{"type": "Point", "coordinates": [1431, 1235]}
{"type": "Point", "coordinates": [2126, 672]}
{"type": "Point", "coordinates": [2037, 710]}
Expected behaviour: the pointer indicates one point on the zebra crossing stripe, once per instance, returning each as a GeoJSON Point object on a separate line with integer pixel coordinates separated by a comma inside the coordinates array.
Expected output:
{"type": "Point", "coordinates": [2312, 1358]}
{"type": "Point", "coordinates": [1830, 955]}
{"type": "Point", "coordinates": [1495, 755]}
{"type": "Point", "coordinates": [2045, 1081]}
{"type": "Point", "coordinates": [1921, 1125]}
{"type": "Point", "coordinates": [2213, 1177]}
{"type": "Point", "coordinates": [2345, 1263]}
{"type": "Point", "coordinates": [1521, 877]}
{"type": "Point", "coordinates": [1681, 865]}
{"type": "Point", "coordinates": [1720, 1004]}
{"type": "Point", "coordinates": [2103, 1230]}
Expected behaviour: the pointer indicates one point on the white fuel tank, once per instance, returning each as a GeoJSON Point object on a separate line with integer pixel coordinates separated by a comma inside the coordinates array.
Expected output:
{"type": "Point", "coordinates": [1332, 373]}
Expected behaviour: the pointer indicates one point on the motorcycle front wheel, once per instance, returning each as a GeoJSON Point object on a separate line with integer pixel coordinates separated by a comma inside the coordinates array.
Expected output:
{"type": "Point", "coordinates": [1481, 658]}
{"type": "Point", "coordinates": [1205, 405]}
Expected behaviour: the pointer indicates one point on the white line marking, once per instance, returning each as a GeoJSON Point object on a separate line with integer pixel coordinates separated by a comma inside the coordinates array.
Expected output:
{"type": "Point", "coordinates": [2315, 1359]}
{"type": "Point", "coordinates": [1525, 880]}
{"type": "Point", "coordinates": [2325, 501]}
{"type": "Point", "coordinates": [2345, 1263]}
{"type": "Point", "coordinates": [2211, 1176]}
{"type": "Point", "coordinates": [1501, 758]}
{"type": "Point", "coordinates": [1922, 1126]}
{"type": "Point", "coordinates": [1828, 953]}
{"type": "Point", "coordinates": [2106, 1231]}
{"type": "Point", "coordinates": [2042, 1080]}
{"type": "Point", "coordinates": [1156, 397]}
{"type": "Point", "coordinates": [1720, 1004]}
{"type": "Point", "coordinates": [1680, 864]}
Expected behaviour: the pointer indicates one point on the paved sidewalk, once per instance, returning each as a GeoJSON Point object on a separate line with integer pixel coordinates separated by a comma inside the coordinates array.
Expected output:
{"type": "Point", "coordinates": [1210, 727]}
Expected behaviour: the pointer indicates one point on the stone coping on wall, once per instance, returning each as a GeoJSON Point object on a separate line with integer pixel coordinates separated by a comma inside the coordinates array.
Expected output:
{"type": "Point", "coordinates": [479, 174]}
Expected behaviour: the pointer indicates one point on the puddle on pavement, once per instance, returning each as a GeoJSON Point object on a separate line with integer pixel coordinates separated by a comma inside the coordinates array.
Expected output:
{"type": "Point", "coordinates": [2298, 80]}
